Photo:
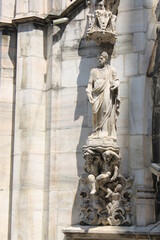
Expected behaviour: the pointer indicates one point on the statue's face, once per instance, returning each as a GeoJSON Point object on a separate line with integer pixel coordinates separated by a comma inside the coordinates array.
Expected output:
{"type": "Point", "coordinates": [102, 60]}
{"type": "Point", "coordinates": [100, 6]}
{"type": "Point", "coordinates": [89, 159]}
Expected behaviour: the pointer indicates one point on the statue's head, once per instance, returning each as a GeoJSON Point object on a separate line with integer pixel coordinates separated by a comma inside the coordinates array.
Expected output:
{"type": "Point", "coordinates": [88, 157]}
{"type": "Point", "coordinates": [103, 59]}
{"type": "Point", "coordinates": [100, 5]}
{"type": "Point", "coordinates": [108, 4]}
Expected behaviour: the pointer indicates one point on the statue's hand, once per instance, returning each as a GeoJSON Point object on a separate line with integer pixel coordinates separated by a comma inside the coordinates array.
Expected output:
{"type": "Point", "coordinates": [114, 86]}
{"type": "Point", "coordinates": [90, 98]}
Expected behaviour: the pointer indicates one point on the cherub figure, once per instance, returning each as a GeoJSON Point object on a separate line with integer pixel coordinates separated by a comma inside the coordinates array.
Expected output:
{"type": "Point", "coordinates": [92, 167]}
{"type": "Point", "coordinates": [110, 169]}
{"type": "Point", "coordinates": [91, 19]}
{"type": "Point", "coordinates": [114, 207]}
{"type": "Point", "coordinates": [103, 16]}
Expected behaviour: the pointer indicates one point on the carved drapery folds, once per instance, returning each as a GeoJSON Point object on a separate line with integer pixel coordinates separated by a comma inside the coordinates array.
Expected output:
{"type": "Point", "coordinates": [102, 21]}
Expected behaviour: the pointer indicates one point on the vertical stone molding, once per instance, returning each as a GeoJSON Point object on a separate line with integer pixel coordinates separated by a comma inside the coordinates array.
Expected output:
{"type": "Point", "coordinates": [29, 138]}
{"type": "Point", "coordinates": [7, 106]}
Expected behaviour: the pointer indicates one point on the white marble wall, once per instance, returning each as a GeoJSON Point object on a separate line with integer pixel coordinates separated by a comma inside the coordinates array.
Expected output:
{"type": "Point", "coordinates": [53, 117]}
{"type": "Point", "coordinates": [7, 101]}
{"type": "Point", "coordinates": [39, 7]}
{"type": "Point", "coordinates": [7, 10]}
{"type": "Point", "coordinates": [136, 26]}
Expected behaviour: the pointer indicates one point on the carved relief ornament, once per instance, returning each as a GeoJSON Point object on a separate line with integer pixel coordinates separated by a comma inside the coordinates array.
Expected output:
{"type": "Point", "coordinates": [102, 18]}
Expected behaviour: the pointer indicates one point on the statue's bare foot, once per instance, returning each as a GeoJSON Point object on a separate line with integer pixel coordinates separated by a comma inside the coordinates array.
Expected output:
{"type": "Point", "coordinates": [93, 192]}
{"type": "Point", "coordinates": [108, 195]}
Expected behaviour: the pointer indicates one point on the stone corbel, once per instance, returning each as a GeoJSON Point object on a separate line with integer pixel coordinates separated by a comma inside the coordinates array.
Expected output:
{"type": "Point", "coordinates": [102, 18]}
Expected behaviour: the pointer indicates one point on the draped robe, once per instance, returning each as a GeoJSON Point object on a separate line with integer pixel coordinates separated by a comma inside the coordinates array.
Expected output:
{"type": "Point", "coordinates": [105, 102]}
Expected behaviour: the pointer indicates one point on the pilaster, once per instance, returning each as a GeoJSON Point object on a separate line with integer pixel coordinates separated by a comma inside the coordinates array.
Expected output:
{"type": "Point", "coordinates": [29, 140]}
{"type": "Point", "coordinates": [7, 107]}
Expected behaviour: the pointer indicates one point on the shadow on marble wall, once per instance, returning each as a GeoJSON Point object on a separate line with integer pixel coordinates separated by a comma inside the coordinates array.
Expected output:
{"type": "Point", "coordinates": [11, 35]}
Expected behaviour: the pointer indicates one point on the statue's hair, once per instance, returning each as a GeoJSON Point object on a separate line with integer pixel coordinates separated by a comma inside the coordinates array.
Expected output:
{"type": "Point", "coordinates": [105, 54]}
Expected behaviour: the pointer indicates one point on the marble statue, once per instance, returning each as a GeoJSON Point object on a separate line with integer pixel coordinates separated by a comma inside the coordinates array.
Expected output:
{"type": "Point", "coordinates": [102, 93]}
{"type": "Point", "coordinates": [105, 193]}
{"type": "Point", "coordinates": [102, 21]}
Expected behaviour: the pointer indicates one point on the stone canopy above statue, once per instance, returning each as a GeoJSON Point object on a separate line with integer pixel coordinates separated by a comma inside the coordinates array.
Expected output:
{"type": "Point", "coordinates": [102, 21]}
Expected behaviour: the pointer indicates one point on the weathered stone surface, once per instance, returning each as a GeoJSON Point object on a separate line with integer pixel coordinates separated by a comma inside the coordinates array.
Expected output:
{"type": "Point", "coordinates": [133, 22]}
{"type": "Point", "coordinates": [7, 10]}
{"type": "Point", "coordinates": [7, 95]}
{"type": "Point", "coordinates": [137, 103]}
{"type": "Point", "coordinates": [139, 41]}
{"type": "Point", "coordinates": [131, 64]}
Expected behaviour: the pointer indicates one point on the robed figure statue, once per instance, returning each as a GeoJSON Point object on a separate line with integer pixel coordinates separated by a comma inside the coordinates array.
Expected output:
{"type": "Point", "coordinates": [102, 93]}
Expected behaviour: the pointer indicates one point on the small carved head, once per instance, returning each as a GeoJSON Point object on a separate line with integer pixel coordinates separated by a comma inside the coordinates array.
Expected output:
{"type": "Point", "coordinates": [107, 156]}
{"type": "Point", "coordinates": [128, 206]}
{"type": "Point", "coordinates": [88, 158]}
{"type": "Point", "coordinates": [100, 5]}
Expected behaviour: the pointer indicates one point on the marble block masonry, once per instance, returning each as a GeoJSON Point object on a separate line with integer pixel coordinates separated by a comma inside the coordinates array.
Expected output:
{"type": "Point", "coordinates": [79, 119]}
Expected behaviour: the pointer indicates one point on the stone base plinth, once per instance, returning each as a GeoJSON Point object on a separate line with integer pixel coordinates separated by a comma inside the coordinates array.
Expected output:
{"type": "Point", "coordinates": [112, 233]}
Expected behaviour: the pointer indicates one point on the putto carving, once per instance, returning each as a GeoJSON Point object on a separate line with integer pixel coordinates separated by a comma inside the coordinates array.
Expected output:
{"type": "Point", "coordinates": [102, 21]}
{"type": "Point", "coordinates": [105, 193]}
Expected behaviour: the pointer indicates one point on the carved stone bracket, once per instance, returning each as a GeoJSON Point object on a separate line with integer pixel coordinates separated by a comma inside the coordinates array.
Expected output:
{"type": "Point", "coordinates": [102, 21]}
{"type": "Point", "coordinates": [105, 193]}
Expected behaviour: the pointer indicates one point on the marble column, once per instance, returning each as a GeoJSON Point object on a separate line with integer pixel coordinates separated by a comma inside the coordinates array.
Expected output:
{"type": "Point", "coordinates": [29, 205]}
{"type": "Point", "coordinates": [7, 91]}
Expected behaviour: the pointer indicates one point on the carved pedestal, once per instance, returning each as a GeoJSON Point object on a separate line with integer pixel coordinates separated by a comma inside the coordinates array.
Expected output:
{"type": "Point", "coordinates": [105, 193]}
